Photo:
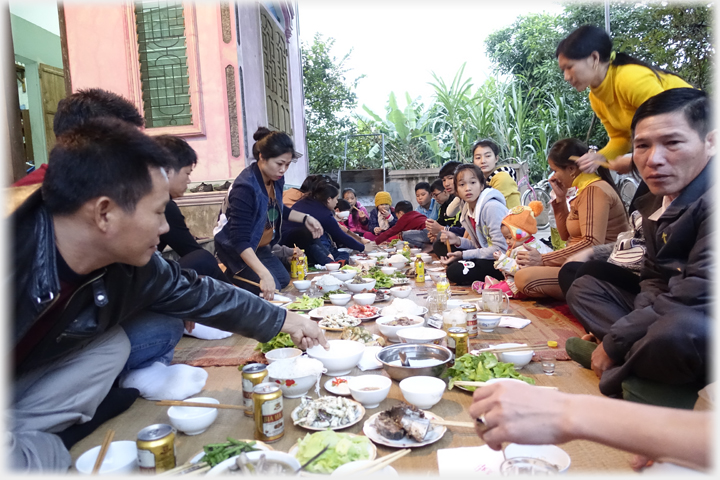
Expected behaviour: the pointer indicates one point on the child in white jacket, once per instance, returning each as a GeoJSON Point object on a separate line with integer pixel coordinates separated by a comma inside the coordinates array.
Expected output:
{"type": "Point", "coordinates": [518, 228]}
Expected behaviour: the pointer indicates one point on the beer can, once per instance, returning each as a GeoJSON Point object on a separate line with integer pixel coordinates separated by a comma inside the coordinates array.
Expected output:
{"type": "Point", "coordinates": [457, 341]}
{"type": "Point", "coordinates": [156, 449]}
{"type": "Point", "coordinates": [252, 374]}
{"type": "Point", "coordinates": [269, 421]}
{"type": "Point", "coordinates": [471, 318]}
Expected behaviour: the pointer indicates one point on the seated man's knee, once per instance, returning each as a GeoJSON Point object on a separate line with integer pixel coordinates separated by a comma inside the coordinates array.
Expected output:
{"type": "Point", "coordinates": [680, 329]}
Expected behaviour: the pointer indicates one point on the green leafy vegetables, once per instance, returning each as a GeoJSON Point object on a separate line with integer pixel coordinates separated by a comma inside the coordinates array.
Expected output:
{"type": "Point", "coordinates": [326, 295]}
{"type": "Point", "coordinates": [349, 268]}
{"type": "Point", "coordinates": [343, 449]}
{"type": "Point", "coordinates": [381, 280]}
{"type": "Point", "coordinates": [219, 452]}
{"type": "Point", "coordinates": [305, 303]}
{"type": "Point", "coordinates": [481, 368]}
{"type": "Point", "coordinates": [281, 340]}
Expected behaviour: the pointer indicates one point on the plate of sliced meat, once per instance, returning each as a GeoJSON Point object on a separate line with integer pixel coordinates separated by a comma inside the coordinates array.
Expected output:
{"type": "Point", "coordinates": [364, 312]}
{"type": "Point", "coordinates": [403, 426]}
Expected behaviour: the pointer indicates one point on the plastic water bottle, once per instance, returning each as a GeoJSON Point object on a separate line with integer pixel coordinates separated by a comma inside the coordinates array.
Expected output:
{"type": "Point", "coordinates": [442, 287]}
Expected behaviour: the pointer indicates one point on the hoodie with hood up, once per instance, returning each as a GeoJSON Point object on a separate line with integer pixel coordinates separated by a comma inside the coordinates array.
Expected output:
{"type": "Point", "coordinates": [486, 237]}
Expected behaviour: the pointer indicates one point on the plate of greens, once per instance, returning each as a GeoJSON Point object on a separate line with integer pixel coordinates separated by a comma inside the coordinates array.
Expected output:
{"type": "Point", "coordinates": [216, 453]}
{"type": "Point", "coordinates": [281, 340]}
{"type": "Point", "coordinates": [481, 368]}
{"type": "Point", "coordinates": [305, 304]}
{"type": "Point", "coordinates": [381, 280]}
{"type": "Point", "coordinates": [326, 295]}
{"type": "Point", "coordinates": [344, 448]}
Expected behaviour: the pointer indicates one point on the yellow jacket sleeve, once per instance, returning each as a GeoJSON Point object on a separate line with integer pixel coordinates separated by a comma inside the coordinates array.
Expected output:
{"type": "Point", "coordinates": [503, 182]}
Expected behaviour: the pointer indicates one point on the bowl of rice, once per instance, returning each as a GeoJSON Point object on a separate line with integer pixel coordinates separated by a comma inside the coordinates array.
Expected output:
{"type": "Point", "coordinates": [296, 376]}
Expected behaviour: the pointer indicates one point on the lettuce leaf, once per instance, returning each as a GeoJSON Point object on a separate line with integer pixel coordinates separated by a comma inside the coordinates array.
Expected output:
{"type": "Point", "coordinates": [481, 368]}
{"type": "Point", "coordinates": [343, 449]}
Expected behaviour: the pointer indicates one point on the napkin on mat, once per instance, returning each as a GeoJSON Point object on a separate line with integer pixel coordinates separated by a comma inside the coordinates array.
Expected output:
{"type": "Point", "coordinates": [514, 322]}
{"type": "Point", "coordinates": [469, 461]}
{"type": "Point", "coordinates": [368, 360]}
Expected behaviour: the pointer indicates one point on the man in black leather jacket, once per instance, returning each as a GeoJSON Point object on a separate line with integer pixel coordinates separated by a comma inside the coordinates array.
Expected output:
{"type": "Point", "coordinates": [84, 261]}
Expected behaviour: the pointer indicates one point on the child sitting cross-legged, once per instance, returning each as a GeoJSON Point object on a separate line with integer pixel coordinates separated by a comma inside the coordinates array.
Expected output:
{"type": "Point", "coordinates": [518, 228]}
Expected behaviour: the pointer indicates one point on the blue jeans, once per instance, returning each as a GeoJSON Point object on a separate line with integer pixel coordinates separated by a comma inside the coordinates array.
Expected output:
{"type": "Point", "coordinates": [153, 337]}
{"type": "Point", "coordinates": [416, 238]}
{"type": "Point", "coordinates": [272, 263]}
{"type": "Point", "coordinates": [317, 253]}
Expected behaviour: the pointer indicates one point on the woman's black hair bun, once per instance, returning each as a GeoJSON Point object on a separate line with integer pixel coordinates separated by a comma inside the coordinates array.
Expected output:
{"type": "Point", "coordinates": [261, 133]}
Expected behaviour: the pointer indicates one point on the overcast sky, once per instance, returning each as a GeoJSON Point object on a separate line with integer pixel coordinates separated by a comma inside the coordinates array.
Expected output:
{"type": "Point", "coordinates": [397, 44]}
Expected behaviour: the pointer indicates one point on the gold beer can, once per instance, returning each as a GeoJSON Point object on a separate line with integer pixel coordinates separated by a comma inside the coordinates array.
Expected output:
{"type": "Point", "coordinates": [471, 318]}
{"type": "Point", "coordinates": [457, 341]}
{"type": "Point", "coordinates": [252, 374]}
{"type": "Point", "coordinates": [269, 421]}
{"type": "Point", "coordinates": [156, 449]}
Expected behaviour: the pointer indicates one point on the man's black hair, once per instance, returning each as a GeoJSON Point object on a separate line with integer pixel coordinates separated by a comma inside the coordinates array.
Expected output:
{"type": "Point", "coordinates": [437, 185]}
{"type": "Point", "coordinates": [403, 206]}
{"type": "Point", "coordinates": [693, 103]}
{"type": "Point", "coordinates": [342, 205]}
{"type": "Point", "coordinates": [102, 157]}
{"type": "Point", "coordinates": [423, 186]}
{"type": "Point", "coordinates": [448, 168]}
{"type": "Point", "coordinates": [85, 105]}
{"type": "Point", "coordinates": [182, 154]}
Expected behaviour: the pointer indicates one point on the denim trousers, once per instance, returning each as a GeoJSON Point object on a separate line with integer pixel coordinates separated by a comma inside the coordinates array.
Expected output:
{"type": "Point", "coordinates": [272, 263]}
{"type": "Point", "coordinates": [153, 337]}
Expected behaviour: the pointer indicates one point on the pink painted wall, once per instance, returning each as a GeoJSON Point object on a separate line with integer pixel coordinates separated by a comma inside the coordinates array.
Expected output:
{"type": "Point", "coordinates": [98, 42]}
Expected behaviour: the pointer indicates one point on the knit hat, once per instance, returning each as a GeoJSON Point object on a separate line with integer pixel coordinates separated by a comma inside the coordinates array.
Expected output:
{"type": "Point", "coordinates": [523, 218]}
{"type": "Point", "coordinates": [382, 198]}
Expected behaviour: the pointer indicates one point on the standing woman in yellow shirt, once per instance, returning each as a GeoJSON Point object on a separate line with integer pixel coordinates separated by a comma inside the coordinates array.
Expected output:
{"type": "Point", "coordinates": [618, 83]}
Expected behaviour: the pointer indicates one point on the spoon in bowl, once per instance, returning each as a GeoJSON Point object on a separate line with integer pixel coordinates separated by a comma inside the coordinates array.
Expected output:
{"type": "Point", "coordinates": [403, 359]}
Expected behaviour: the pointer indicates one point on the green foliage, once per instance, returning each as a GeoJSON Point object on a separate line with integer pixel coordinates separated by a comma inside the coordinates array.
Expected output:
{"type": "Point", "coordinates": [329, 99]}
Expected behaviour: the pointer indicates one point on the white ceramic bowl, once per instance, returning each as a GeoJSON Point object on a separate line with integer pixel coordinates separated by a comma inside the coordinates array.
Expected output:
{"type": "Point", "coordinates": [391, 331]}
{"type": "Point", "coordinates": [550, 453]}
{"type": "Point", "coordinates": [332, 267]}
{"type": "Point", "coordinates": [302, 285]}
{"type": "Point", "coordinates": [369, 390]}
{"type": "Point", "coordinates": [423, 392]}
{"type": "Point", "coordinates": [364, 298]}
{"type": "Point", "coordinates": [282, 354]}
{"type": "Point", "coordinates": [344, 470]}
{"type": "Point", "coordinates": [377, 255]}
{"type": "Point", "coordinates": [368, 262]}
{"type": "Point", "coordinates": [340, 298]}
{"type": "Point", "coordinates": [402, 291]}
{"type": "Point", "coordinates": [341, 358]}
{"type": "Point", "coordinates": [343, 276]}
{"type": "Point", "coordinates": [388, 270]}
{"type": "Point", "coordinates": [359, 287]}
{"type": "Point", "coordinates": [193, 420]}
{"type": "Point", "coordinates": [487, 321]}
{"type": "Point", "coordinates": [426, 335]}
{"type": "Point", "coordinates": [398, 264]}
{"type": "Point", "coordinates": [415, 251]}
{"type": "Point", "coordinates": [121, 458]}
{"type": "Point", "coordinates": [435, 276]}
{"type": "Point", "coordinates": [426, 258]}
{"type": "Point", "coordinates": [455, 303]}
{"type": "Point", "coordinates": [223, 467]}
{"type": "Point", "coordinates": [295, 387]}
{"type": "Point", "coordinates": [344, 215]}
{"type": "Point", "coordinates": [519, 359]}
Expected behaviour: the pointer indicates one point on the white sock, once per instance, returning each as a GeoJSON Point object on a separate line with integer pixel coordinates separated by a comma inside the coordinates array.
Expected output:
{"type": "Point", "coordinates": [207, 333]}
{"type": "Point", "coordinates": [163, 382]}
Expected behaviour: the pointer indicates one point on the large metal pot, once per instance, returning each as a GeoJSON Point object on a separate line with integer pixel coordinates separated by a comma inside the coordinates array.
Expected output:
{"type": "Point", "coordinates": [416, 353]}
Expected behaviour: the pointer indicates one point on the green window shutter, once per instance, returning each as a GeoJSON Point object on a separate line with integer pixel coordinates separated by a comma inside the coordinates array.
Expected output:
{"type": "Point", "coordinates": [277, 90]}
{"type": "Point", "coordinates": [163, 63]}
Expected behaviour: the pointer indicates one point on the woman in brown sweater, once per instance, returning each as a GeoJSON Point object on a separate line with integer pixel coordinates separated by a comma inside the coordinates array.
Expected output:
{"type": "Point", "coordinates": [595, 216]}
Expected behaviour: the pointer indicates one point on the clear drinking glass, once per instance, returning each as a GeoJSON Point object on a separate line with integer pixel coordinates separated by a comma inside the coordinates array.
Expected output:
{"type": "Point", "coordinates": [431, 303]}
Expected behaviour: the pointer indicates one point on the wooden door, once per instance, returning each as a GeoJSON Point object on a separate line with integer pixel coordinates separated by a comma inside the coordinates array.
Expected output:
{"type": "Point", "coordinates": [52, 90]}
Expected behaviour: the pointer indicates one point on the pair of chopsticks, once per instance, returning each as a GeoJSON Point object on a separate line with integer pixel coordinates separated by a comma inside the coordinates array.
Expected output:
{"type": "Point", "coordinates": [378, 464]}
{"type": "Point", "coordinates": [451, 423]}
{"type": "Point", "coordinates": [250, 282]}
{"type": "Point", "coordinates": [605, 164]}
{"type": "Point", "coordinates": [103, 451]}
{"type": "Point", "coordinates": [187, 469]}
{"type": "Point", "coordinates": [521, 348]}
{"type": "Point", "coordinates": [180, 403]}
{"type": "Point", "coordinates": [463, 383]}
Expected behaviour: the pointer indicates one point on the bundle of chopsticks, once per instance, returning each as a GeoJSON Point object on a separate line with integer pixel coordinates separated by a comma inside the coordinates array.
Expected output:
{"type": "Point", "coordinates": [519, 348]}
{"type": "Point", "coordinates": [378, 463]}
{"type": "Point", "coordinates": [187, 469]}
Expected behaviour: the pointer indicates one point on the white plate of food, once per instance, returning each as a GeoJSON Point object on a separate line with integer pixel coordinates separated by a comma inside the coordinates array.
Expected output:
{"type": "Point", "coordinates": [362, 335]}
{"type": "Point", "coordinates": [258, 445]}
{"type": "Point", "coordinates": [324, 413]}
{"type": "Point", "coordinates": [371, 450]}
{"type": "Point", "coordinates": [337, 322]}
{"type": "Point", "coordinates": [372, 430]}
{"type": "Point", "coordinates": [364, 312]}
{"type": "Point", "coordinates": [399, 281]}
{"type": "Point", "coordinates": [280, 300]}
{"type": "Point", "coordinates": [322, 312]}
{"type": "Point", "coordinates": [338, 385]}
